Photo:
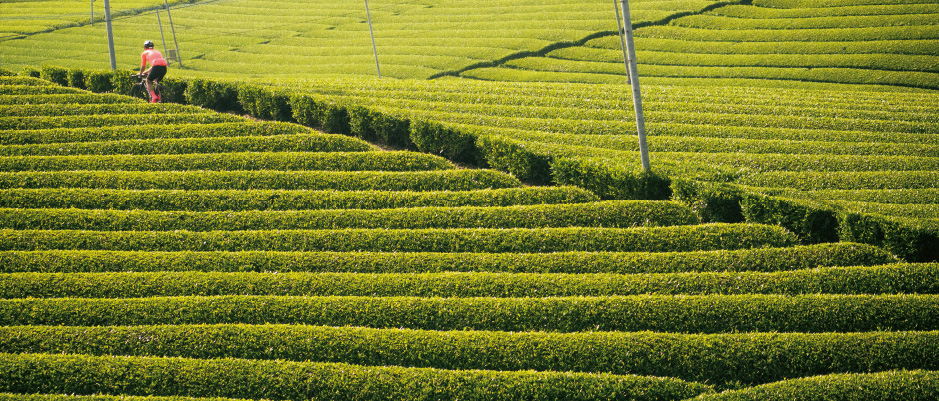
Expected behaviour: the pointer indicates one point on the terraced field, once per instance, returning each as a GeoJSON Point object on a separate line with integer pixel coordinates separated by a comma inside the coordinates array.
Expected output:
{"type": "Point", "coordinates": [205, 255]}
{"type": "Point", "coordinates": [415, 38]}
{"type": "Point", "coordinates": [757, 43]}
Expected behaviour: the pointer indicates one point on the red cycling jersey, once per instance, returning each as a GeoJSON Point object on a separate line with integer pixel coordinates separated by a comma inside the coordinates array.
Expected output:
{"type": "Point", "coordinates": [153, 57]}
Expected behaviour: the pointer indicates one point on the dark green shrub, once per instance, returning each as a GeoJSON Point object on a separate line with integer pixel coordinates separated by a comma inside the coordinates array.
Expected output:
{"type": "Point", "coordinates": [99, 81]}
{"type": "Point", "coordinates": [215, 95]}
{"type": "Point", "coordinates": [610, 182]}
{"type": "Point", "coordinates": [76, 78]}
{"type": "Point", "coordinates": [714, 202]}
{"type": "Point", "coordinates": [511, 156]}
{"type": "Point", "coordinates": [54, 74]}
{"type": "Point", "coordinates": [435, 138]}
{"type": "Point", "coordinates": [265, 103]}
{"type": "Point", "coordinates": [813, 223]}
{"type": "Point", "coordinates": [320, 112]}
{"type": "Point", "coordinates": [30, 71]}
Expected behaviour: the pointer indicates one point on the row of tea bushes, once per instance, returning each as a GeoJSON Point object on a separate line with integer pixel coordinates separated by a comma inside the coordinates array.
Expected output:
{"type": "Point", "coordinates": [483, 240]}
{"type": "Point", "coordinates": [747, 358]}
{"type": "Point", "coordinates": [744, 260]}
{"type": "Point", "coordinates": [612, 214]}
{"type": "Point", "coordinates": [389, 161]}
{"type": "Point", "coordinates": [298, 381]}
{"type": "Point", "coordinates": [209, 200]}
{"type": "Point", "coordinates": [888, 279]}
{"type": "Point", "coordinates": [71, 136]}
{"type": "Point", "coordinates": [300, 142]}
{"type": "Point", "coordinates": [915, 385]}
{"type": "Point", "coordinates": [660, 313]}
{"type": "Point", "coordinates": [441, 180]}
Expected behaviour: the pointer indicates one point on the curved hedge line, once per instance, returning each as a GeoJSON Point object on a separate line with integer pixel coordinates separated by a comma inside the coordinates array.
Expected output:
{"type": "Point", "coordinates": [889, 279]}
{"type": "Point", "coordinates": [101, 397]}
{"type": "Point", "coordinates": [307, 142]}
{"type": "Point", "coordinates": [194, 200]}
{"type": "Point", "coordinates": [748, 358]}
{"type": "Point", "coordinates": [246, 161]}
{"type": "Point", "coordinates": [301, 381]}
{"type": "Point", "coordinates": [662, 313]}
{"type": "Point", "coordinates": [918, 385]}
{"type": "Point", "coordinates": [644, 239]}
{"type": "Point", "coordinates": [615, 214]}
{"type": "Point", "coordinates": [756, 259]}
{"type": "Point", "coordinates": [453, 180]}
{"type": "Point", "coordinates": [56, 137]}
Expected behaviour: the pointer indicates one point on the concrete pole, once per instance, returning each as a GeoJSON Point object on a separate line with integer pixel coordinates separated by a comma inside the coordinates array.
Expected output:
{"type": "Point", "coordinates": [634, 79]}
{"type": "Point", "coordinates": [372, 32]}
{"type": "Point", "coordinates": [160, 23]}
{"type": "Point", "coordinates": [173, 30]}
{"type": "Point", "coordinates": [107, 22]}
{"type": "Point", "coordinates": [622, 41]}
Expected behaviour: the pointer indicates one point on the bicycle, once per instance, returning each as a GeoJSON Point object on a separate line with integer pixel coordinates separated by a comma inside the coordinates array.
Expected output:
{"type": "Point", "coordinates": [139, 90]}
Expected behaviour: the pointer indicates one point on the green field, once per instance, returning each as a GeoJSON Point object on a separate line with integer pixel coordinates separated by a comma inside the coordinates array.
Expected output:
{"type": "Point", "coordinates": [474, 225]}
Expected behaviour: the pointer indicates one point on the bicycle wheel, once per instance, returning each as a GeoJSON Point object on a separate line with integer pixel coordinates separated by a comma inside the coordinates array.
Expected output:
{"type": "Point", "coordinates": [166, 95]}
{"type": "Point", "coordinates": [139, 90]}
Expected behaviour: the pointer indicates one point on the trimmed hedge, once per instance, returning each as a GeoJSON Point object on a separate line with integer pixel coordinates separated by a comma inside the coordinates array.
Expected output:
{"type": "Point", "coordinates": [913, 240]}
{"type": "Point", "coordinates": [661, 313]}
{"type": "Point", "coordinates": [216, 95]}
{"type": "Point", "coordinates": [757, 260]}
{"type": "Point", "coordinates": [157, 199]}
{"type": "Point", "coordinates": [889, 279]}
{"type": "Point", "coordinates": [917, 385]}
{"type": "Point", "coordinates": [485, 240]}
{"type": "Point", "coordinates": [159, 132]}
{"type": "Point", "coordinates": [78, 98]}
{"type": "Point", "coordinates": [100, 397]}
{"type": "Point", "coordinates": [453, 180]}
{"type": "Point", "coordinates": [246, 161]}
{"type": "Point", "coordinates": [722, 359]}
{"type": "Point", "coordinates": [32, 89]}
{"type": "Point", "coordinates": [813, 223]}
{"type": "Point", "coordinates": [61, 110]}
{"type": "Point", "coordinates": [301, 381]}
{"type": "Point", "coordinates": [260, 144]}
{"type": "Point", "coordinates": [615, 214]}
{"type": "Point", "coordinates": [610, 182]}
{"type": "Point", "coordinates": [264, 103]}
{"type": "Point", "coordinates": [44, 122]}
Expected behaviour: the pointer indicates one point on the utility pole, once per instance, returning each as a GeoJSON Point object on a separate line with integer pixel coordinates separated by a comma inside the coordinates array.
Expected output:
{"type": "Point", "coordinates": [92, 12]}
{"type": "Point", "coordinates": [634, 79]}
{"type": "Point", "coordinates": [372, 32]}
{"type": "Point", "coordinates": [107, 22]}
{"type": "Point", "coordinates": [622, 40]}
{"type": "Point", "coordinates": [179, 58]}
{"type": "Point", "coordinates": [160, 23]}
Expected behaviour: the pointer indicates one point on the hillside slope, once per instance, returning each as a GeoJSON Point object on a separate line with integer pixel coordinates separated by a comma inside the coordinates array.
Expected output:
{"type": "Point", "coordinates": [207, 255]}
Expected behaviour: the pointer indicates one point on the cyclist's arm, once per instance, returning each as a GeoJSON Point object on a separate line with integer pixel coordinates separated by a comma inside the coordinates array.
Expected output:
{"type": "Point", "coordinates": [143, 63]}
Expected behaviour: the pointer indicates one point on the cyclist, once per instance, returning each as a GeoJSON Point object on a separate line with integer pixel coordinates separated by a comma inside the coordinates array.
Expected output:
{"type": "Point", "coordinates": [157, 68]}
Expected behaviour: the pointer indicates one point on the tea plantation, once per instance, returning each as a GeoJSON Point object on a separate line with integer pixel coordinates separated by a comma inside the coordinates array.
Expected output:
{"type": "Point", "coordinates": [475, 225]}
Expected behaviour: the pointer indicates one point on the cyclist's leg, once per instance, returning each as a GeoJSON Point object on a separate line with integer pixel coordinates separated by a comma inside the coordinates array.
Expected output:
{"type": "Point", "coordinates": [156, 74]}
